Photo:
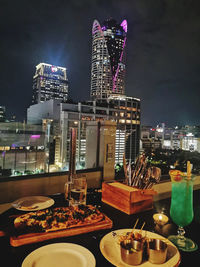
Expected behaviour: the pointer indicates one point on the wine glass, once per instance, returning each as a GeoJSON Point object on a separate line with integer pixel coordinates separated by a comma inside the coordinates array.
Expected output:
{"type": "Point", "coordinates": [181, 209]}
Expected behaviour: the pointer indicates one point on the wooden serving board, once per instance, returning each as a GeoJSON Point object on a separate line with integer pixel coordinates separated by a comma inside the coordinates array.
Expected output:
{"type": "Point", "coordinates": [30, 238]}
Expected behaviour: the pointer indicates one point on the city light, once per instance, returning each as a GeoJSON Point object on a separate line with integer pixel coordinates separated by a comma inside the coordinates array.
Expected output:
{"type": "Point", "coordinates": [54, 69]}
{"type": "Point", "coordinates": [189, 134]}
{"type": "Point", "coordinates": [35, 136]}
{"type": "Point", "coordinates": [124, 24]}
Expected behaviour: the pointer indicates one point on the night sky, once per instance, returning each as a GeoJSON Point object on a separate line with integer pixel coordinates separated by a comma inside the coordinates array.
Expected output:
{"type": "Point", "coordinates": [163, 52]}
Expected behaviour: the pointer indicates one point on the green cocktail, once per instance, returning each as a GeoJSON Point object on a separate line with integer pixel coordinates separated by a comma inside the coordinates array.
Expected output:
{"type": "Point", "coordinates": [181, 210]}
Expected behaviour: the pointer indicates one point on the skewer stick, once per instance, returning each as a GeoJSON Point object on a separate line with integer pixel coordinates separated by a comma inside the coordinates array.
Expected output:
{"type": "Point", "coordinates": [129, 236]}
{"type": "Point", "coordinates": [125, 168]}
{"type": "Point", "coordinates": [142, 226]}
{"type": "Point", "coordinates": [135, 224]}
{"type": "Point", "coordinates": [138, 166]}
{"type": "Point", "coordinates": [129, 174]}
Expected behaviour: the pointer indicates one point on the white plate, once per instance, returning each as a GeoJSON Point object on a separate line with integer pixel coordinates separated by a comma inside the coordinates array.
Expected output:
{"type": "Point", "coordinates": [111, 250]}
{"type": "Point", "coordinates": [33, 203]}
{"type": "Point", "coordinates": [60, 255]}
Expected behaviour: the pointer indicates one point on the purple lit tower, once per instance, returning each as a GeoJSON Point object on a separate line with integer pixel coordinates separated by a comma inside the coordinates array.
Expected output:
{"type": "Point", "coordinates": [108, 68]}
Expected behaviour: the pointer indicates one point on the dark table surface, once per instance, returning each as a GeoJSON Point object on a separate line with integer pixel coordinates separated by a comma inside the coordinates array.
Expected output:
{"type": "Point", "coordinates": [14, 256]}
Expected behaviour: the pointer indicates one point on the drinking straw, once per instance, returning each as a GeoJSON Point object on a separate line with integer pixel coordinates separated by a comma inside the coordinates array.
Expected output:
{"type": "Point", "coordinates": [188, 170]}
{"type": "Point", "coordinates": [188, 176]}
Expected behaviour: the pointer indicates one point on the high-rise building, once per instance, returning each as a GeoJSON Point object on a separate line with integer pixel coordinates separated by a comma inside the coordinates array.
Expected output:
{"type": "Point", "coordinates": [108, 68]}
{"type": "Point", "coordinates": [49, 82]}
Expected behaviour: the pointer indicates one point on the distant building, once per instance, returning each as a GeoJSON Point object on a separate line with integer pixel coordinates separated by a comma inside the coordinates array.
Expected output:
{"type": "Point", "coordinates": [150, 138]}
{"type": "Point", "coordinates": [185, 137]}
{"type": "Point", "coordinates": [125, 111]}
{"type": "Point", "coordinates": [108, 59]}
{"type": "Point", "coordinates": [47, 110]}
{"type": "Point", "coordinates": [21, 148]}
{"type": "Point", "coordinates": [2, 114]}
{"type": "Point", "coordinates": [108, 87]}
{"type": "Point", "coordinates": [49, 82]}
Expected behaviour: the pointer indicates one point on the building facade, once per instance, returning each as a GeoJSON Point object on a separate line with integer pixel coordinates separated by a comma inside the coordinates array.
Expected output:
{"type": "Point", "coordinates": [108, 59]}
{"type": "Point", "coordinates": [22, 149]}
{"type": "Point", "coordinates": [125, 111]}
{"type": "Point", "coordinates": [49, 82]}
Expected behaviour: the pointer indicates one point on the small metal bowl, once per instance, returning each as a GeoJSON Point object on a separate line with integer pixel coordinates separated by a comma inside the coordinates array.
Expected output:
{"type": "Point", "coordinates": [131, 251]}
{"type": "Point", "coordinates": [157, 251]}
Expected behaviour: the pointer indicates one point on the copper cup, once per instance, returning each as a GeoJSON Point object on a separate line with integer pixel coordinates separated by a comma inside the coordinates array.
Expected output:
{"type": "Point", "coordinates": [131, 251]}
{"type": "Point", "coordinates": [157, 251]}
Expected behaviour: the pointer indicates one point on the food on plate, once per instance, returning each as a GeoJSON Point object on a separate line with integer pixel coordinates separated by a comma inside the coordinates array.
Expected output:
{"type": "Point", "coordinates": [58, 218]}
{"type": "Point", "coordinates": [131, 236]}
{"type": "Point", "coordinates": [27, 207]}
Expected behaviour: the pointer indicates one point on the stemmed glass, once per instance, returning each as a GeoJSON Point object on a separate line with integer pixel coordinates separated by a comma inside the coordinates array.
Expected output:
{"type": "Point", "coordinates": [181, 209]}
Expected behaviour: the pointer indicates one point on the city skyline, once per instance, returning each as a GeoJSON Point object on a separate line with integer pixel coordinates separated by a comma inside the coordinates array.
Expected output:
{"type": "Point", "coordinates": [162, 52]}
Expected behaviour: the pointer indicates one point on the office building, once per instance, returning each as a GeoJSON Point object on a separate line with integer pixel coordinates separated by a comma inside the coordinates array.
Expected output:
{"type": "Point", "coordinates": [108, 59]}
{"type": "Point", "coordinates": [125, 111]}
{"type": "Point", "coordinates": [49, 82]}
{"type": "Point", "coordinates": [108, 86]}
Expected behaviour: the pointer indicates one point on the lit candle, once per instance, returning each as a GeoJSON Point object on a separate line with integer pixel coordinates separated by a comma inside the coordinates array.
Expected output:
{"type": "Point", "coordinates": [160, 218]}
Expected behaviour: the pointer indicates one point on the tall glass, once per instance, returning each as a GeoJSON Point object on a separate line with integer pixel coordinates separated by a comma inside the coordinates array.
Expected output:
{"type": "Point", "coordinates": [78, 192]}
{"type": "Point", "coordinates": [181, 209]}
{"type": "Point", "coordinates": [72, 163]}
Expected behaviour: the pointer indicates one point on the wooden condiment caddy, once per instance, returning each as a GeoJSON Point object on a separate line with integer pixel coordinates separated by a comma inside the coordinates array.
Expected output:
{"type": "Point", "coordinates": [126, 198]}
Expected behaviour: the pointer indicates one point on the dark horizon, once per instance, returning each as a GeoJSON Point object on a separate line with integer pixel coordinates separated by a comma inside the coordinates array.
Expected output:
{"type": "Point", "coordinates": [163, 51]}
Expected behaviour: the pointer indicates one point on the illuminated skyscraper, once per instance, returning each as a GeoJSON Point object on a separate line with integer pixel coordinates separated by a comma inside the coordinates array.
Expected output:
{"type": "Point", "coordinates": [108, 68]}
{"type": "Point", "coordinates": [49, 82]}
